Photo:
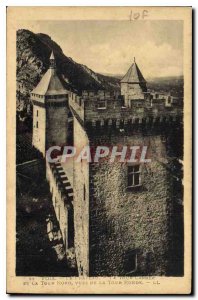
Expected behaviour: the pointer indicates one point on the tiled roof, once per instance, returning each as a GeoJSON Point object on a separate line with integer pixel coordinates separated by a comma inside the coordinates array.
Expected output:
{"type": "Point", "coordinates": [133, 75]}
{"type": "Point", "coordinates": [50, 84]}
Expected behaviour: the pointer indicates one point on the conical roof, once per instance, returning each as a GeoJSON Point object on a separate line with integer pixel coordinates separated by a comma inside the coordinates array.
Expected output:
{"type": "Point", "coordinates": [133, 75]}
{"type": "Point", "coordinates": [50, 84]}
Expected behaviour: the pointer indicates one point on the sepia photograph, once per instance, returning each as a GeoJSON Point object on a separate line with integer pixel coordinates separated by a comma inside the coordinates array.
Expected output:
{"type": "Point", "coordinates": [102, 184]}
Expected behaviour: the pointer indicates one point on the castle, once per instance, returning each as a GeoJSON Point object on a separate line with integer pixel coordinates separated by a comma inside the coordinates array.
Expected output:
{"type": "Point", "coordinates": [118, 217]}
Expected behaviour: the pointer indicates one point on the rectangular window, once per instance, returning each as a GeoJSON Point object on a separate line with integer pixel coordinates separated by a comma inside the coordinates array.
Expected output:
{"type": "Point", "coordinates": [134, 176]}
{"type": "Point", "coordinates": [37, 124]}
{"type": "Point", "coordinates": [84, 192]}
{"type": "Point", "coordinates": [101, 104]}
{"type": "Point", "coordinates": [37, 113]}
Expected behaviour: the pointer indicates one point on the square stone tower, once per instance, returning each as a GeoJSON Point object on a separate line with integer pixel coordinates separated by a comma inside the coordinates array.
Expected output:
{"type": "Point", "coordinates": [50, 111]}
{"type": "Point", "coordinates": [133, 85]}
{"type": "Point", "coordinates": [124, 213]}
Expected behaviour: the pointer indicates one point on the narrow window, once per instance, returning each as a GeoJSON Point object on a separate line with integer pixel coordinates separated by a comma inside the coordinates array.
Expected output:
{"type": "Point", "coordinates": [133, 176]}
{"type": "Point", "coordinates": [37, 113]}
{"type": "Point", "coordinates": [84, 193]}
{"type": "Point", "coordinates": [81, 269]}
{"type": "Point", "coordinates": [37, 124]}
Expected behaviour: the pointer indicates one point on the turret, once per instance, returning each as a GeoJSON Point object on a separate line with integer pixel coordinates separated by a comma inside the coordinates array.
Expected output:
{"type": "Point", "coordinates": [133, 85]}
{"type": "Point", "coordinates": [50, 110]}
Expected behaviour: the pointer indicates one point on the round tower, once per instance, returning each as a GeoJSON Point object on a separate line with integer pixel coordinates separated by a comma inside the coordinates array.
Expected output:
{"type": "Point", "coordinates": [50, 110]}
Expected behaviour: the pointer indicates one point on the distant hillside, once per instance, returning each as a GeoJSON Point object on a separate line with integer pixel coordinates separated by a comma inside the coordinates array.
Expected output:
{"type": "Point", "coordinates": [33, 51]}
{"type": "Point", "coordinates": [171, 84]}
{"type": "Point", "coordinates": [166, 79]}
{"type": "Point", "coordinates": [118, 76]}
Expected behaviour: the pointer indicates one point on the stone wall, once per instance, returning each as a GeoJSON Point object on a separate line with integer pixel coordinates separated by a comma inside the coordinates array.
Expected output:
{"type": "Point", "coordinates": [81, 202]}
{"type": "Point", "coordinates": [133, 91]}
{"type": "Point", "coordinates": [39, 128]}
{"type": "Point", "coordinates": [138, 109]}
{"type": "Point", "coordinates": [58, 204]}
{"type": "Point", "coordinates": [56, 126]}
{"type": "Point", "coordinates": [124, 222]}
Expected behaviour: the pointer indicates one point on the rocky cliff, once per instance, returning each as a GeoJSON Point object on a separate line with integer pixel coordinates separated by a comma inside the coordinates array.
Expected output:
{"type": "Point", "coordinates": [33, 51]}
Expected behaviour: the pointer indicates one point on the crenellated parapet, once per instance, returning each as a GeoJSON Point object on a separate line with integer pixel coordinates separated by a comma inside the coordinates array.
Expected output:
{"type": "Point", "coordinates": [132, 104]}
{"type": "Point", "coordinates": [106, 109]}
{"type": "Point", "coordinates": [62, 183]}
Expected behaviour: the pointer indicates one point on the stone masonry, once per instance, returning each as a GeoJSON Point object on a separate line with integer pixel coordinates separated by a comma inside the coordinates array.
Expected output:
{"type": "Point", "coordinates": [119, 229]}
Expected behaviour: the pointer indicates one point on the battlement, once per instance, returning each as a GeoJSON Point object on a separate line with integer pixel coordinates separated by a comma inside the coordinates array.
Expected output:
{"type": "Point", "coordinates": [91, 198]}
{"type": "Point", "coordinates": [100, 94]}
{"type": "Point", "coordinates": [108, 108]}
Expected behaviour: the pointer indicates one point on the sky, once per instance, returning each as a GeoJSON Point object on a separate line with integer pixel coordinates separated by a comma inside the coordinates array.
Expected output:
{"type": "Point", "coordinates": [109, 47]}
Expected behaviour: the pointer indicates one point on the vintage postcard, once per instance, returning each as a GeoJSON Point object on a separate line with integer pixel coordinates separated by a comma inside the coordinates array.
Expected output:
{"type": "Point", "coordinates": [99, 144]}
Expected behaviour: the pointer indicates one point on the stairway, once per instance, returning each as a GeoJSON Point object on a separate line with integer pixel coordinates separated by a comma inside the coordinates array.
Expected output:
{"type": "Point", "coordinates": [63, 181]}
